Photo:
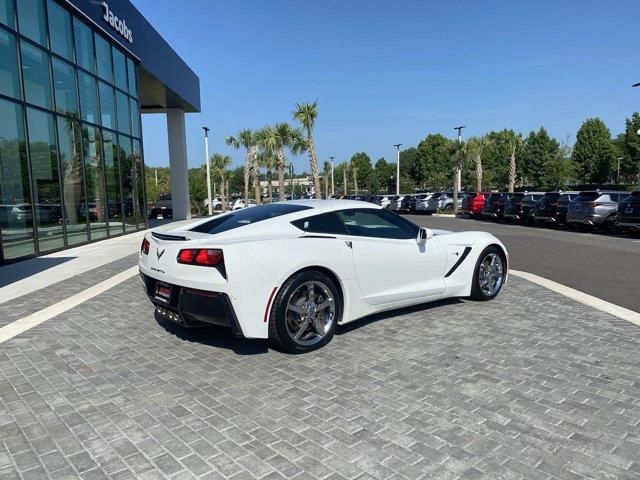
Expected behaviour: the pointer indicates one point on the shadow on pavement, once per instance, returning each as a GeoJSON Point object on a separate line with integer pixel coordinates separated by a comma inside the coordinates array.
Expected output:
{"type": "Point", "coordinates": [19, 271]}
{"type": "Point", "coordinates": [214, 336]}
{"type": "Point", "coordinates": [376, 317]}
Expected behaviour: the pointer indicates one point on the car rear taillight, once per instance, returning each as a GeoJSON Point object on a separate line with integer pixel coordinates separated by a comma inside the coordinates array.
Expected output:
{"type": "Point", "coordinates": [144, 248]}
{"type": "Point", "coordinates": [204, 257]}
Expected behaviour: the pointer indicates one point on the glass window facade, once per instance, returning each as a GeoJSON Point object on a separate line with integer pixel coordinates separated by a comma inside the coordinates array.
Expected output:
{"type": "Point", "coordinates": [9, 76]}
{"type": "Point", "coordinates": [35, 74]}
{"type": "Point", "coordinates": [60, 30]}
{"type": "Point", "coordinates": [84, 45]}
{"type": "Point", "coordinates": [7, 16]}
{"type": "Point", "coordinates": [64, 87]}
{"type": "Point", "coordinates": [71, 166]}
{"type": "Point", "coordinates": [31, 20]}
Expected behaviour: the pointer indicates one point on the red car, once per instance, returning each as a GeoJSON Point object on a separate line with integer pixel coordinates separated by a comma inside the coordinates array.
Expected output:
{"type": "Point", "coordinates": [473, 204]}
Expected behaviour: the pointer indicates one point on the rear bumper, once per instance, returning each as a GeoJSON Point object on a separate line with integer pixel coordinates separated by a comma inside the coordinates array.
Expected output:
{"type": "Point", "coordinates": [629, 224]}
{"type": "Point", "coordinates": [513, 216]}
{"type": "Point", "coordinates": [489, 213]}
{"type": "Point", "coordinates": [190, 307]}
{"type": "Point", "coordinates": [546, 218]}
{"type": "Point", "coordinates": [591, 219]}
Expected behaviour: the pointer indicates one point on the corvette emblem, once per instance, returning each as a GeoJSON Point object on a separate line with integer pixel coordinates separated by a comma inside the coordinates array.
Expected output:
{"type": "Point", "coordinates": [159, 253]}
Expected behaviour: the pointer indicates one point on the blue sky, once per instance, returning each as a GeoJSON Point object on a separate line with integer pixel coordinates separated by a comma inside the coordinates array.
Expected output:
{"type": "Point", "coordinates": [391, 72]}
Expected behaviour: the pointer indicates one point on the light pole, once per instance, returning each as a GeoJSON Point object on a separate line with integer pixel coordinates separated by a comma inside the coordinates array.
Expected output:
{"type": "Point", "coordinates": [458, 180]}
{"type": "Point", "coordinates": [618, 174]}
{"type": "Point", "coordinates": [333, 186]}
{"type": "Point", "coordinates": [638, 132]}
{"type": "Point", "coordinates": [398, 145]}
{"type": "Point", "coordinates": [206, 155]}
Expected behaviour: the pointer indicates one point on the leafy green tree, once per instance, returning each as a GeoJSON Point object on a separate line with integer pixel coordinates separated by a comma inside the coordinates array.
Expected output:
{"type": "Point", "coordinates": [236, 181]}
{"type": "Point", "coordinates": [433, 165]}
{"type": "Point", "coordinates": [361, 169]}
{"type": "Point", "coordinates": [384, 173]}
{"type": "Point", "coordinates": [163, 174]}
{"type": "Point", "coordinates": [408, 161]}
{"type": "Point", "coordinates": [539, 159]}
{"type": "Point", "coordinates": [306, 114]}
{"type": "Point", "coordinates": [559, 169]}
{"type": "Point", "coordinates": [198, 187]}
{"type": "Point", "coordinates": [593, 152]}
{"type": "Point", "coordinates": [630, 162]}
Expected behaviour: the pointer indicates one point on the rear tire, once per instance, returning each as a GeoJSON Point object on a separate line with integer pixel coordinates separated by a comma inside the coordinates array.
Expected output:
{"type": "Point", "coordinates": [489, 274]}
{"type": "Point", "coordinates": [305, 312]}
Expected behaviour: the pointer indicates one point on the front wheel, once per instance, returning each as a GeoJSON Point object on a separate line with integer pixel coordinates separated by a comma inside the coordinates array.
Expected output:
{"type": "Point", "coordinates": [489, 274]}
{"type": "Point", "coordinates": [305, 312]}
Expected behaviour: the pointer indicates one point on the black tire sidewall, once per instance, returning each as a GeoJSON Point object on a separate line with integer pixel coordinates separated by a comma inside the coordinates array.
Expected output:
{"type": "Point", "coordinates": [277, 326]}
{"type": "Point", "coordinates": [476, 291]}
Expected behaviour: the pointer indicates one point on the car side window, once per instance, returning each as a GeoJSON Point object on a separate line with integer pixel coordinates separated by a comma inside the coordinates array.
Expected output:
{"type": "Point", "coordinates": [328, 223]}
{"type": "Point", "coordinates": [377, 224]}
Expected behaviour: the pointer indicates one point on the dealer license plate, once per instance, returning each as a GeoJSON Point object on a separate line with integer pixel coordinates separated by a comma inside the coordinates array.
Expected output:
{"type": "Point", "coordinates": [163, 292]}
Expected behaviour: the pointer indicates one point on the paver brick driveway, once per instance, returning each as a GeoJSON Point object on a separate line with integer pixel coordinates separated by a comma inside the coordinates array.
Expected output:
{"type": "Point", "coordinates": [531, 385]}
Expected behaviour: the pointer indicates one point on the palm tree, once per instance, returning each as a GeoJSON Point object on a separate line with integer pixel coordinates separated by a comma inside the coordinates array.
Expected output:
{"type": "Point", "coordinates": [476, 146]}
{"type": "Point", "coordinates": [326, 171]}
{"type": "Point", "coordinates": [306, 114]}
{"type": "Point", "coordinates": [268, 160]}
{"type": "Point", "coordinates": [219, 164]}
{"type": "Point", "coordinates": [274, 140]}
{"type": "Point", "coordinates": [345, 176]}
{"type": "Point", "coordinates": [516, 141]}
{"type": "Point", "coordinates": [247, 139]}
{"type": "Point", "coordinates": [354, 170]}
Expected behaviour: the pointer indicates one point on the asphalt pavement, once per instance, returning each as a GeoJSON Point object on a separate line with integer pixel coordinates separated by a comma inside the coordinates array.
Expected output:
{"type": "Point", "coordinates": [605, 266]}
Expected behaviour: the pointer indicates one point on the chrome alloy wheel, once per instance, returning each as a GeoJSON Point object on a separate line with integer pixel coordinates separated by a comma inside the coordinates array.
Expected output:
{"type": "Point", "coordinates": [310, 313]}
{"type": "Point", "coordinates": [491, 274]}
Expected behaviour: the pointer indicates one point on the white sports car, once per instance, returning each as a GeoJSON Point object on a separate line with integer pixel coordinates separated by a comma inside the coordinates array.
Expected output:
{"type": "Point", "coordinates": [291, 272]}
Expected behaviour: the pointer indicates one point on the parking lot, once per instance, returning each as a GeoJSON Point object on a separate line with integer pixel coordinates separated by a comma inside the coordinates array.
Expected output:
{"type": "Point", "coordinates": [604, 265]}
{"type": "Point", "coordinates": [531, 385]}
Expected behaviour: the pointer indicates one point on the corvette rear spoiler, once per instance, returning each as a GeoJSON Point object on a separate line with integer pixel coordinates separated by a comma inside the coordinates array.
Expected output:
{"type": "Point", "coordinates": [174, 238]}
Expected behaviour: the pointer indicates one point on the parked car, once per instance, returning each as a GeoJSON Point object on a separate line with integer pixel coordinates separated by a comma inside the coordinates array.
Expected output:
{"type": "Point", "coordinates": [442, 201]}
{"type": "Point", "coordinates": [494, 205]}
{"type": "Point", "coordinates": [628, 216]}
{"type": "Point", "coordinates": [281, 271]}
{"type": "Point", "coordinates": [553, 207]}
{"type": "Point", "coordinates": [239, 204]}
{"type": "Point", "coordinates": [384, 201]}
{"type": "Point", "coordinates": [521, 206]}
{"type": "Point", "coordinates": [473, 203]}
{"type": "Point", "coordinates": [595, 208]}
{"type": "Point", "coordinates": [408, 203]}
{"type": "Point", "coordinates": [421, 202]}
{"type": "Point", "coordinates": [395, 203]}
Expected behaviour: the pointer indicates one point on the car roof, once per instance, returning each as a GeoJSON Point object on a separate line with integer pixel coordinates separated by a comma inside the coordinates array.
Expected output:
{"type": "Point", "coordinates": [331, 205]}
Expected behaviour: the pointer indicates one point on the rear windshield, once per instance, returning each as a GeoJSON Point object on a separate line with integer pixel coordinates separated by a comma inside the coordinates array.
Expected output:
{"type": "Point", "coordinates": [588, 196]}
{"type": "Point", "coordinates": [436, 195]}
{"type": "Point", "coordinates": [246, 216]}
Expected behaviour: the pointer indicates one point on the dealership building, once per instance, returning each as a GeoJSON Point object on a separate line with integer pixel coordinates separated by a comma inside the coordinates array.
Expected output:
{"type": "Point", "coordinates": [75, 76]}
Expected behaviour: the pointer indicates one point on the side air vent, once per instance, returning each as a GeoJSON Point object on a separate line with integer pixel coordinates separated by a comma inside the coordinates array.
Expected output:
{"type": "Point", "coordinates": [459, 262]}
